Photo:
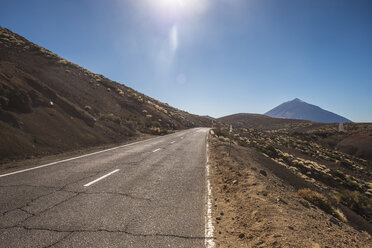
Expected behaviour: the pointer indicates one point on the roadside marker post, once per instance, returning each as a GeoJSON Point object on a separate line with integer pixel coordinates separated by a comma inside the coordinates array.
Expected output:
{"type": "Point", "coordinates": [230, 131]}
{"type": "Point", "coordinates": [341, 128]}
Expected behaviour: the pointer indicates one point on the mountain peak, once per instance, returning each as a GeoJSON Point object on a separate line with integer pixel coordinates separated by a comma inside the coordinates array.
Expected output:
{"type": "Point", "coordinates": [298, 109]}
{"type": "Point", "coordinates": [297, 100]}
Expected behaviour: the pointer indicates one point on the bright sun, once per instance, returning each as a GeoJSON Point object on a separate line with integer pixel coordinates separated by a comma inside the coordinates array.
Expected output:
{"type": "Point", "coordinates": [171, 3]}
{"type": "Point", "coordinates": [181, 6]}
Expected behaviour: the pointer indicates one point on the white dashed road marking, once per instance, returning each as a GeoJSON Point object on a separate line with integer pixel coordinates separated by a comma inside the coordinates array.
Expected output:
{"type": "Point", "coordinates": [82, 156]}
{"type": "Point", "coordinates": [102, 177]}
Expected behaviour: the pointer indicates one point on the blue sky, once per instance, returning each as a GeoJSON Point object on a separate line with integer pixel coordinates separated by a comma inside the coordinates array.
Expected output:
{"type": "Point", "coordinates": [214, 57]}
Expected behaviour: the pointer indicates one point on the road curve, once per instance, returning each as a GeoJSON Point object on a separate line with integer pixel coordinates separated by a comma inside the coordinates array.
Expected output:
{"type": "Point", "coordinates": [147, 194]}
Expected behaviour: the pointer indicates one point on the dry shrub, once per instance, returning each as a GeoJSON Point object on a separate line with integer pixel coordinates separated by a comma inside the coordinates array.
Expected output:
{"type": "Point", "coordinates": [356, 201]}
{"type": "Point", "coordinates": [317, 199]}
{"type": "Point", "coordinates": [339, 214]}
{"type": "Point", "coordinates": [321, 202]}
{"type": "Point", "coordinates": [271, 151]}
{"type": "Point", "coordinates": [110, 117]}
{"type": "Point", "coordinates": [221, 132]}
{"type": "Point", "coordinates": [87, 108]}
{"type": "Point", "coordinates": [155, 131]}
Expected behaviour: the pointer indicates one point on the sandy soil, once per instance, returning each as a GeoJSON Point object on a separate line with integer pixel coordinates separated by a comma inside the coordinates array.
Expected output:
{"type": "Point", "coordinates": [254, 208]}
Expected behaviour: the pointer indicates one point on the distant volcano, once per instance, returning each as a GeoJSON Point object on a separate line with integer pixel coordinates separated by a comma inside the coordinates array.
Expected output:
{"type": "Point", "coordinates": [297, 109]}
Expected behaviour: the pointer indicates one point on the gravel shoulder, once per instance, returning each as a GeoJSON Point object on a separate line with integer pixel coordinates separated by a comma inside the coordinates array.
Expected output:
{"type": "Point", "coordinates": [253, 207]}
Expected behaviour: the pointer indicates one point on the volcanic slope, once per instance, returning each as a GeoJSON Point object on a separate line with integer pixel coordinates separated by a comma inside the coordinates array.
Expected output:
{"type": "Point", "coordinates": [49, 105]}
{"type": "Point", "coordinates": [298, 109]}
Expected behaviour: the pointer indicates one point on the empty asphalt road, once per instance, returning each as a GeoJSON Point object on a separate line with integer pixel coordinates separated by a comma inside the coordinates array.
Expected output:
{"type": "Point", "coordinates": [147, 194]}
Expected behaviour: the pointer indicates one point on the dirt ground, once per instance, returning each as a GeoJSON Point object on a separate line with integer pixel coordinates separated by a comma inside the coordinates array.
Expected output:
{"type": "Point", "coordinates": [254, 208]}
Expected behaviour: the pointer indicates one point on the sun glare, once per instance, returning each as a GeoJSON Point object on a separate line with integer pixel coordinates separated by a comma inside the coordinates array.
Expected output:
{"type": "Point", "coordinates": [174, 4]}
{"type": "Point", "coordinates": [184, 7]}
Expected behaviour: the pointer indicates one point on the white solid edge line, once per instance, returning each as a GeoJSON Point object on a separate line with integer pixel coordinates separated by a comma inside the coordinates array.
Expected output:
{"type": "Point", "coordinates": [156, 150]}
{"type": "Point", "coordinates": [102, 177]}
{"type": "Point", "coordinates": [209, 229]}
{"type": "Point", "coordinates": [82, 156]}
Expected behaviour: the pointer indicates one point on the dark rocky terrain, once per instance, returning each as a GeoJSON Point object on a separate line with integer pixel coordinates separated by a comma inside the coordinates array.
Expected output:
{"type": "Point", "coordinates": [49, 105]}
{"type": "Point", "coordinates": [297, 109]}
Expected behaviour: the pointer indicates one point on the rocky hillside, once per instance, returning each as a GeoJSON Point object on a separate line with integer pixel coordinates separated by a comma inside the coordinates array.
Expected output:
{"type": "Point", "coordinates": [297, 109]}
{"type": "Point", "coordinates": [50, 105]}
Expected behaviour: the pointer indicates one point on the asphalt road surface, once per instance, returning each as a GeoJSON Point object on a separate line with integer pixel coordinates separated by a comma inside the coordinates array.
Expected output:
{"type": "Point", "coordinates": [147, 194]}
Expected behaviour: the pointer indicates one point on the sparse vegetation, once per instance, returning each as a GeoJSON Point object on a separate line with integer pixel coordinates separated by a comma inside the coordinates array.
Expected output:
{"type": "Point", "coordinates": [221, 132]}
{"type": "Point", "coordinates": [321, 202]}
{"type": "Point", "coordinates": [110, 117]}
{"type": "Point", "coordinates": [356, 201]}
{"type": "Point", "coordinates": [247, 201]}
{"type": "Point", "coordinates": [317, 199]}
{"type": "Point", "coordinates": [308, 151]}
{"type": "Point", "coordinates": [271, 151]}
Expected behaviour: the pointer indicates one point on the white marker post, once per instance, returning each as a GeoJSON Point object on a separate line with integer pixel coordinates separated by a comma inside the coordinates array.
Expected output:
{"type": "Point", "coordinates": [341, 128]}
{"type": "Point", "coordinates": [230, 131]}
